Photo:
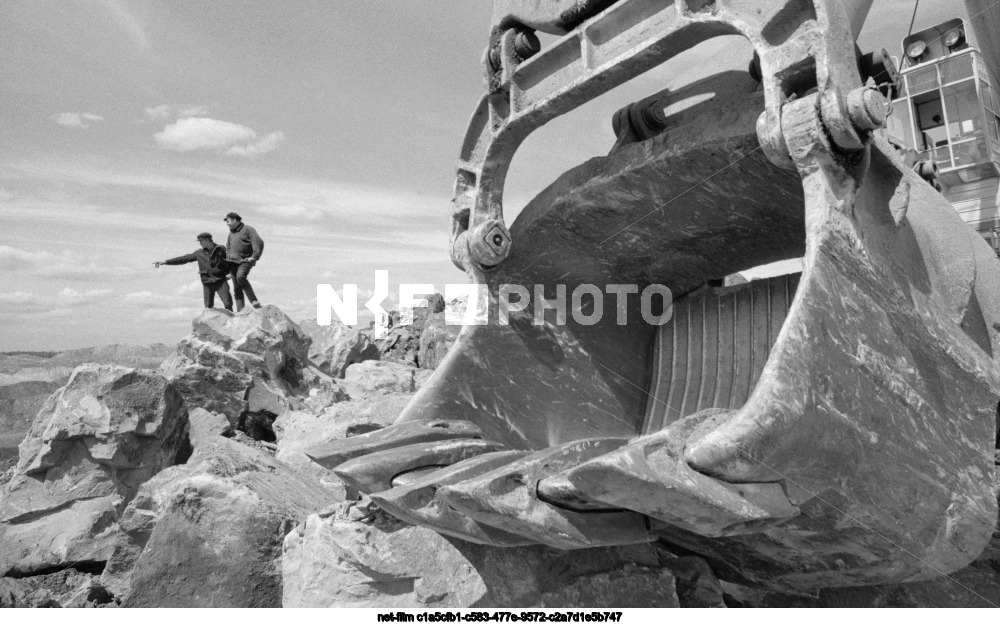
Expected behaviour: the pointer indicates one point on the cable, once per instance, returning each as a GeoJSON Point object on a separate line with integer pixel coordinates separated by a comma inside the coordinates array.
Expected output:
{"type": "Point", "coordinates": [913, 19]}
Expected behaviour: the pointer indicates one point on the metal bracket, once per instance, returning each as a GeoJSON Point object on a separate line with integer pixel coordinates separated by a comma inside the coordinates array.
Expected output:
{"type": "Point", "coordinates": [804, 45]}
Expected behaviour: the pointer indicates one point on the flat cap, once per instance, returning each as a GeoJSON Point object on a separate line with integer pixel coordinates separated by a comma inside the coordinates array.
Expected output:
{"type": "Point", "coordinates": [204, 236]}
{"type": "Point", "coordinates": [234, 215]}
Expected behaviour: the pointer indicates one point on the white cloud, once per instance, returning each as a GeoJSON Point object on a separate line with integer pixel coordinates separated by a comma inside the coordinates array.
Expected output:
{"type": "Point", "coordinates": [129, 22]}
{"type": "Point", "coordinates": [60, 305]}
{"type": "Point", "coordinates": [164, 112]}
{"type": "Point", "coordinates": [67, 265]}
{"type": "Point", "coordinates": [21, 302]}
{"type": "Point", "coordinates": [72, 296]}
{"type": "Point", "coordinates": [205, 133]}
{"type": "Point", "coordinates": [266, 144]}
{"type": "Point", "coordinates": [198, 133]}
{"type": "Point", "coordinates": [176, 314]}
{"type": "Point", "coordinates": [294, 212]}
{"type": "Point", "coordinates": [161, 112]}
{"type": "Point", "coordinates": [190, 289]}
{"type": "Point", "coordinates": [150, 300]}
{"type": "Point", "coordinates": [76, 120]}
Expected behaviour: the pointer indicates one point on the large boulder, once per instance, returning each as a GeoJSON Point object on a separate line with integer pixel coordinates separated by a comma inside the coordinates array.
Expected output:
{"type": "Point", "coordinates": [93, 444]}
{"type": "Point", "coordinates": [210, 378]}
{"type": "Point", "coordinates": [28, 379]}
{"type": "Point", "coordinates": [266, 332]}
{"type": "Point", "coordinates": [346, 559]}
{"type": "Point", "coordinates": [209, 533]}
{"type": "Point", "coordinates": [379, 378]}
{"type": "Point", "coordinates": [250, 367]}
{"type": "Point", "coordinates": [336, 346]}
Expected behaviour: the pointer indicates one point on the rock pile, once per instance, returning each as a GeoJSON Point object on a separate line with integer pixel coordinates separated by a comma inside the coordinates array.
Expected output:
{"type": "Point", "coordinates": [93, 445]}
{"type": "Point", "coordinates": [249, 367]}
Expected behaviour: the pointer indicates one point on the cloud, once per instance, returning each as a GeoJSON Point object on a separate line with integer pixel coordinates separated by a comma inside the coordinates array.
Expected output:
{"type": "Point", "coordinates": [205, 133]}
{"type": "Point", "coordinates": [72, 296]}
{"type": "Point", "coordinates": [60, 305]}
{"type": "Point", "coordinates": [190, 289]}
{"type": "Point", "coordinates": [266, 144]}
{"type": "Point", "coordinates": [177, 314]}
{"type": "Point", "coordinates": [294, 212]}
{"type": "Point", "coordinates": [199, 133]}
{"type": "Point", "coordinates": [67, 265]}
{"type": "Point", "coordinates": [129, 22]}
{"type": "Point", "coordinates": [161, 112]}
{"type": "Point", "coordinates": [21, 302]}
{"type": "Point", "coordinates": [150, 300]}
{"type": "Point", "coordinates": [164, 112]}
{"type": "Point", "coordinates": [76, 120]}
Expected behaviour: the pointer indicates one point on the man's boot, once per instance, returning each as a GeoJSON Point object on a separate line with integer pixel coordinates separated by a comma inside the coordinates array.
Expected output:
{"type": "Point", "coordinates": [239, 305]}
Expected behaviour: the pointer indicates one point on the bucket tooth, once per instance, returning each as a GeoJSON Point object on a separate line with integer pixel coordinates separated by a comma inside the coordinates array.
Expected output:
{"type": "Point", "coordinates": [375, 472]}
{"type": "Point", "coordinates": [650, 476]}
{"type": "Point", "coordinates": [417, 502]}
{"type": "Point", "coordinates": [506, 498]}
{"type": "Point", "coordinates": [334, 453]}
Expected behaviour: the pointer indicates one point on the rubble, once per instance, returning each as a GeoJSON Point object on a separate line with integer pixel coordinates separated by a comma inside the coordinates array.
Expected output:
{"type": "Point", "coordinates": [92, 446]}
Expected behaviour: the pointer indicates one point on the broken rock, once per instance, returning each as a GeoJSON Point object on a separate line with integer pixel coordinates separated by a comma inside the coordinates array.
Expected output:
{"type": "Point", "coordinates": [337, 346]}
{"type": "Point", "coordinates": [379, 378]}
{"type": "Point", "coordinates": [209, 533]}
{"type": "Point", "coordinates": [250, 366]}
{"type": "Point", "coordinates": [93, 444]}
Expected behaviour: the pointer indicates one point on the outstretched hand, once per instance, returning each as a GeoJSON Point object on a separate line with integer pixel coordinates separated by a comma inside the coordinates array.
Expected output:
{"type": "Point", "coordinates": [157, 264]}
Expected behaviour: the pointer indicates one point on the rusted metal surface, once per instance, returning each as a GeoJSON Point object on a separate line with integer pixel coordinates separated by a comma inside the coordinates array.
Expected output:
{"type": "Point", "coordinates": [833, 428]}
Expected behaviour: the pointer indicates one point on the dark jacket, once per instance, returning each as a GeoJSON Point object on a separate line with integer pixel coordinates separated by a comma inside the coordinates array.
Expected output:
{"type": "Point", "coordinates": [212, 264]}
{"type": "Point", "coordinates": [244, 243]}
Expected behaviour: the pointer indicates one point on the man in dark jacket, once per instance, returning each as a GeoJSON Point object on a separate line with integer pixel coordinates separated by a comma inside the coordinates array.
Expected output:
{"type": "Point", "coordinates": [213, 268]}
{"type": "Point", "coordinates": [245, 247]}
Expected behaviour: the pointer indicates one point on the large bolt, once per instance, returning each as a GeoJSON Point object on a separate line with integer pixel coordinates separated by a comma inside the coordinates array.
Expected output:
{"type": "Point", "coordinates": [526, 44]}
{"type": "Point", "coordinates": [867, 108]}
{"type": "Point", "coordinates": [653, 117]}
{"type": "Point", "coordinates": [489, 243]}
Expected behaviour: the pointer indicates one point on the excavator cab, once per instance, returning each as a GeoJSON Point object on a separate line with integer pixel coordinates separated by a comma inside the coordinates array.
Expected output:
{"type": "Point", "coordinates": [825, 428]}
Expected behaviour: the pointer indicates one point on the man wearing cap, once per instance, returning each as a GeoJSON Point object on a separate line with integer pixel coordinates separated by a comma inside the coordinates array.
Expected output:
{"type": "Point", "coordinates": [213, 268]}
{"type": "Point", "coordinates": [245, 247]}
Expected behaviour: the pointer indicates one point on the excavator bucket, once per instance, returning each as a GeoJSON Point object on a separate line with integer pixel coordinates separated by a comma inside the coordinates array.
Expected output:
{"type": "Point", "coordinates": [827, 428]}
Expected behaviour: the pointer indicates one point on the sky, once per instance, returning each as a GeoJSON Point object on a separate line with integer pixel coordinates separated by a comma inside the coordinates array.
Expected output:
{"type": "Point", "coordinates": [127, 127]}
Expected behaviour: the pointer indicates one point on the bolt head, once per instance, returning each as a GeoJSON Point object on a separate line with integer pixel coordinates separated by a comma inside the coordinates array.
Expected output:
{"type": "Point", "coordinates": [877, 106]}
{"type": "Point", "coordinates": [496, 238]}
{"type": "Point", "coordinates": [526, 44]}
{"type": "Point", "coordinates": [867, 108]}
{"type": "Point", "coordinates": [490, 243]}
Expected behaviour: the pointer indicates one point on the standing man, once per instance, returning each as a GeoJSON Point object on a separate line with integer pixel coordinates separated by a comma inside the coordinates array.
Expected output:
{"type": "Point", "coordinates": [213, 268]}
{"type": "Point", "coordinates": [244, 249]}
